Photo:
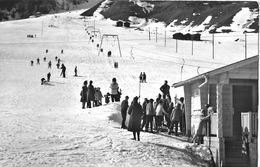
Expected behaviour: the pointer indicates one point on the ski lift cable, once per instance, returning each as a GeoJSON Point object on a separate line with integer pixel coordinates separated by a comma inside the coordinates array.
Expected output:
{"type": "Point", "coordinates": [168, 61]}
{"type": "Point", "coordinates": [178, 57]}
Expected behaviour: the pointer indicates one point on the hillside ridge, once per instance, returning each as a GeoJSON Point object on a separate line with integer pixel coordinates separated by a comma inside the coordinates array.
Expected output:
{"type": "Point", "coordinates": [182, 13]}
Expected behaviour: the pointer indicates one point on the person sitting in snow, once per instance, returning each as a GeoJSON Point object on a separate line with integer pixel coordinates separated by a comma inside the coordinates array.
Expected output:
{"type": "Point", "coordinates": [43, 81]}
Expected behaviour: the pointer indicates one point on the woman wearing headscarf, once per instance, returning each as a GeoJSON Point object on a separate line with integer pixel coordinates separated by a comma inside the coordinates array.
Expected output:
{"type": "Point", "coordinates": [135, 112]}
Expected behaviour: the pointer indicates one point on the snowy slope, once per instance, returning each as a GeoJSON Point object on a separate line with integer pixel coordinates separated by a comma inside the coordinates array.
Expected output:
{"type": "Point", "coordinates": [44, 125]}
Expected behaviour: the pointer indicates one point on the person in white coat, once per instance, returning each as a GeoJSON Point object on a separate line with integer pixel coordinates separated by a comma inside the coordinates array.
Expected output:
{"type": "Point", "coordinates": [114, 89]}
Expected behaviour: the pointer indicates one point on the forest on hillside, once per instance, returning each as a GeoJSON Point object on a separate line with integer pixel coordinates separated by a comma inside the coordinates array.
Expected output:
{"type": "Point", "coordinates": [25, 8]}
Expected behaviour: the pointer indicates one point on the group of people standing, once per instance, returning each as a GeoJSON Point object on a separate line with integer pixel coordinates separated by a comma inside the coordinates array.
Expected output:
{"type": "Point", "coordinates": [142, 77]}
{"type": "Point", "coordinates": [90, 95]}
{"type": "Point", "coordinates": [93, 96]}
{"type": "Point", "coordinates": [161, 110]}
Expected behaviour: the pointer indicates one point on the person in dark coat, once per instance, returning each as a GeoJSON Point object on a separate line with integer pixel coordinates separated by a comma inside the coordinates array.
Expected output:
{"type": "Point", "coordinates": [124, 107]}
{"type": "Point", "coordinates": [58, 65]}
{"type": "Point", "coordinates": [118, 96]}
{"type": "Point", "coordinates": [175, 119]}
{"type": "Point", "coordinates": [31, 63]}
{"type": "Point", "coordinates": [146, 101]}
{"type": "Point", "coordinates": [107, 97]}
{"type": "Point", "coordinates": [48, 77]}
{"type": "Point", "coordinates": [44, 59]}
{"type": "Point", "coordinates": [38, 61]}
{"type": "Point", "coordinates": [165, 88]}
{"type": "Point", "coordinates": [63, 70]}
{"type": "Point", "coordinates": [182, 122]}
{"type": "Point", "coordinates": [76, 71]}
{"type": "Point", "coordinates": [135, 112]}
{"type": "Point", "coordinates": [91, 94]}
{"type": "Point", "coordinates": [141, 77]}
{"type": "Point", "coordinates": [43, 81]}
{"type": "Point", "coordinates": [144, 77]}
{"type": "Point", "coordinates": [49, 64]}
{"type": "Point", "coordinates": [83, 94]}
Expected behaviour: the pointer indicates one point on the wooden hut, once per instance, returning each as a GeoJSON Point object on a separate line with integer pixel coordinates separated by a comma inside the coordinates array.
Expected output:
{"type": "Point", "coordinates": [177, 36]}
{"type": "Point", "coordinates": [127, 24]}
{"type": "Point", "coordinates": [119, 23]}
{"type": "Point", "coordinates": [232, 131]}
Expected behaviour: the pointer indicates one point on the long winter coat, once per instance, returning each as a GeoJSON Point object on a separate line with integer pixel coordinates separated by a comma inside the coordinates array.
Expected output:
{"type": "Point", "coordinates": [176, 115]}
{"type": "Point", "coordinates": [124, 106]}
{"type": "Point", "coordinates": [83, 94]}
{"type": "Point", "coordinates": [91, 93]}
{"type": "Point", "coordinates": [202, 129]}
{"type": "Point", "coordinates": [98, 95]}
{"type": "Point", "coordinates": [135, 112]}
{"type": "Point", "coordinates": [150, 109]}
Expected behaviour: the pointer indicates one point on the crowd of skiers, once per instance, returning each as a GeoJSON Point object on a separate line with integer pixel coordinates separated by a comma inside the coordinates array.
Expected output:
{"type": "Point", "coordinates": [63, 68]}
{"type": "Point", "coordinates": [162, 111]}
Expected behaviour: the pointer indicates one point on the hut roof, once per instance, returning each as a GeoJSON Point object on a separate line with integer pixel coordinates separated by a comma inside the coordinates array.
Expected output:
{"type": "Point", "coordinates": [218, 71]}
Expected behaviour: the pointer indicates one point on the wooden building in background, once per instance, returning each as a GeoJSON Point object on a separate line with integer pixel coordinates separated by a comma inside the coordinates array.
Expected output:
{"type": "Point", "coordinates": [232, 131]}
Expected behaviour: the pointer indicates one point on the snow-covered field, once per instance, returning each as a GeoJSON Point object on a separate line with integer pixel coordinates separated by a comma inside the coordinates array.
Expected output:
{"type": "Point", "coordinates": [44, 125]}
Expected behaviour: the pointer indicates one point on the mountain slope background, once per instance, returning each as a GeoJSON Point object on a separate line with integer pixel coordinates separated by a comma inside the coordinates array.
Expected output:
{"type": "Point", "coordinates": [21, 9]}
{"type": "Point", "coordinates": [184, 13]}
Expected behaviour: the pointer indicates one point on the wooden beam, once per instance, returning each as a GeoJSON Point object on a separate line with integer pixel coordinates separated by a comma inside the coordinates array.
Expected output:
{"type": "Point", "coordinates": [243, 75]}
{"type": "Point", "coordinates": [224, 78]}
{"type": "Point", "coordinates": [219, 111]}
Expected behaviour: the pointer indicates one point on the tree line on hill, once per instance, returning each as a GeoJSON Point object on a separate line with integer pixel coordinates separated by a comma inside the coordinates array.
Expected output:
{"type": "Point", "coordinates": [25, 8]}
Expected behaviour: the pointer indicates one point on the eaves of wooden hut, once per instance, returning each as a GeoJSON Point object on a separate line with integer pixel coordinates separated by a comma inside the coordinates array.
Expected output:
{"type": "Point", "coordinates": [233, 91]}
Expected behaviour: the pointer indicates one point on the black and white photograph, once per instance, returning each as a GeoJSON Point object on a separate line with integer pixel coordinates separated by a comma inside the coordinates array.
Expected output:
{"type": "Point", "coordinates": [122, 83]}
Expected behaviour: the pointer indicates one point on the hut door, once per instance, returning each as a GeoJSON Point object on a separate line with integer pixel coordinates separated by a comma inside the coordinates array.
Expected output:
{"type": "Point", "coordinates": [242, 102]}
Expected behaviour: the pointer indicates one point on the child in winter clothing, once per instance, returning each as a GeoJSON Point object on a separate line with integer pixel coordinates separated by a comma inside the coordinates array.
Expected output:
{"type": "Point", "coordinates": [98, 97]}
{"type": "Point", "coordinates": [107, 98]}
